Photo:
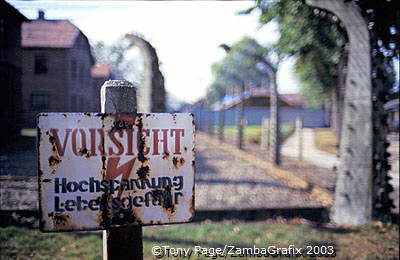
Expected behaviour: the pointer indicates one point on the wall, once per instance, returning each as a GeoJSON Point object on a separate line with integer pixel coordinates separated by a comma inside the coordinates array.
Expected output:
{"type": "Point", "coordinates": [313, 118]}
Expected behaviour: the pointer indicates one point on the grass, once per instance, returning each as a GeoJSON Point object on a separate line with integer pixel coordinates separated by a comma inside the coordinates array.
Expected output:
{"type": "Point", "coordinates": [326, 140]}
{"type": "Point", "coordinates": [365, 242]}
{"type": "Point", "coordinates": [252, 133]}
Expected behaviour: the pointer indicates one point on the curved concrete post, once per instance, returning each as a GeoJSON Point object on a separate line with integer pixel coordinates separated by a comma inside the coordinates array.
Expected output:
{"type": "Point", "coordinates": [275, 141]}
{"type": "Point", "coordinates": [353, 195]}
{"type": "Point", "coordinates": [151, 93]}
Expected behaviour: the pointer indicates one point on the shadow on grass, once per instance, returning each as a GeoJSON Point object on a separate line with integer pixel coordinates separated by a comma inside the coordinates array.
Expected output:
{"type": "Point", "coordinates": [317, 215]}
{"type": "Point", "coordinates": [244, 182]}
{"type": "Point", "coordinates": [202, 167]}
{"type": "Point", "coordinates": [336, 230]}
{"type": "Point", "coordinates": [186, 242]}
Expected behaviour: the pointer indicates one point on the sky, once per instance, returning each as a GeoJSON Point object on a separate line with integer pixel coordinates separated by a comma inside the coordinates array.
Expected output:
{"type": "Point", "coordinates": [186, 34]}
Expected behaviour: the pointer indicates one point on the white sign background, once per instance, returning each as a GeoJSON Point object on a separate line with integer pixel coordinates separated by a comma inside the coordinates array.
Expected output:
{"type": "Point", "coordinates": [70, 153]}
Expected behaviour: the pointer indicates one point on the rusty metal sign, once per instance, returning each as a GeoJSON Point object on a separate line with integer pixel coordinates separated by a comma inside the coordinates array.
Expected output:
{"type": "Point", "coordinates": [98, 171]}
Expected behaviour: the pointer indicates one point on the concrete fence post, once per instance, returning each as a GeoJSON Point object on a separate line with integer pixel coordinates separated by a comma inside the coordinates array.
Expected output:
{"type": "Point", "coordinates": [210, 123]}
{"type": "Point", "coordinates": [275, 140]}
{"type": "Point", "coordinates": [265, 133]}
{"type": "Point", "coordinates": [299, 131]}
{"type": "Point", "coordinates": [221, 122]}
{"type": "Point", "coordinates": [240, 117]}
{"type": "Point", "coordinates": [353, 193]}
{"type": "Point", "coordinates": [121, 243]}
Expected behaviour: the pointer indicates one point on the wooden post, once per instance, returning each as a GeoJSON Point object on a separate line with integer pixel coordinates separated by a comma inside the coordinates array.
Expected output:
{"type": "Point", "coordinates": [299, 131]}
{"type": "Point", "coordinates": [122, 243]}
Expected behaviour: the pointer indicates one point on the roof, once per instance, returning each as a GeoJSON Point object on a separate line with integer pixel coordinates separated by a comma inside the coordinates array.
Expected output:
{"type": "Point", "coordinates": [293, 99]}
{"type": "Point", "coordinates": [49, 34]}
{"type": "Point", "coordinates": [7, 10]}
{"type": "Point", "coordinates": [101, 71]}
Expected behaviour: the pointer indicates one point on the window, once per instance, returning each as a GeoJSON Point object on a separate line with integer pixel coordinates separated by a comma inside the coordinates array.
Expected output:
{"type": "Point", "coordinates": [40, 101]}
{"type": "Point", "coordinates": [40, 64]}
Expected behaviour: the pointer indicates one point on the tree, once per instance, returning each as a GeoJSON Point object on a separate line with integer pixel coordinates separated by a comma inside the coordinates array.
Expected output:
{"type": "Point", "coordinates": [248, 61]}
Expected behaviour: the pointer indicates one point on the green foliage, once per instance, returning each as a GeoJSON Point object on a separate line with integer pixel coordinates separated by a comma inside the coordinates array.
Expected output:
{"type": "Point", "coordinates": [317, 40]}
{"type": "Point", "coordinates": [247, 60]}
{"type": "Point", "coordinates": [252, 133]}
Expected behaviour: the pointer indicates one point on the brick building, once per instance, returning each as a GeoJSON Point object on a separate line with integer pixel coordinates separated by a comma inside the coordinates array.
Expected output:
{"type": "Point", "coordinates": [56, 69]}
{"type": "Point", "coordinates": [10, 72]}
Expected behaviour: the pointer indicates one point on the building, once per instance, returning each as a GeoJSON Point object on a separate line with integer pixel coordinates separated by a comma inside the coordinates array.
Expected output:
{"type": "Point", "coordinates": [100, 73]}
{"type": "Point", "coordinates": [257, 106]}
{"type": "Point", "coordinates": [10, 72]}
{"type": "Point", "coordinates": [57, 64]}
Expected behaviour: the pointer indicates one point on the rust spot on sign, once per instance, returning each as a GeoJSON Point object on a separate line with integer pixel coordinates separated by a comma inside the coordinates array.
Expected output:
{"type": "Point", "coordinates": [115, 213]}
{"type": "Point", "coordinates": [103, 165]}
{"type": "Point", "coordinates": [60, 220]}
{"type": "Point", "coordinates": [123, 122]}
{"type": "Point", "coordinates": [105, 214]}
{"type": "Point", "coordinates": [143, 171]}
{"type": "Point", "coordinates": [165, 156]}
{"type": "Point", "coordinates": [53, 161]}
{"type": "Point", "coordinates": [84, 152]}
{"type": "Point", "coordinates": [178, 162]}
{"type": "Point", "coordinates": [164, 197]}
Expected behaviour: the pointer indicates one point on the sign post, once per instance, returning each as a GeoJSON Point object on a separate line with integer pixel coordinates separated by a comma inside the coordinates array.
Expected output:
{"type": "Point", "coordinates": [115, 171]}
{"type": "Point", "coordinates": [120, 242]}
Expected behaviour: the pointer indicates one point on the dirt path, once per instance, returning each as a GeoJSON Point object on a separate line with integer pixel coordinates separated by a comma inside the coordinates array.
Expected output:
{"type": "Point", "coordinates": [230, 179]}
{"type": "Point", "coordinates": [310, 152]}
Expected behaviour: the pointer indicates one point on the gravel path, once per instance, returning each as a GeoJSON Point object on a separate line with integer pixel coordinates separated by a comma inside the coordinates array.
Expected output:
{"type": "Point", "coordinates": [225, 182]}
